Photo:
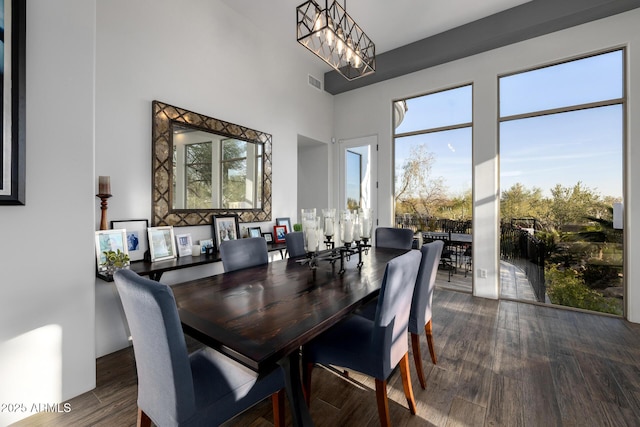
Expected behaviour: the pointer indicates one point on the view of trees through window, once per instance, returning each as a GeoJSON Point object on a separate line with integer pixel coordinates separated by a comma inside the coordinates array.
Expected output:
{"type": "Point", "coordinates": [561, 169]}
{"type": "Point", "coordinates": [432, 151]}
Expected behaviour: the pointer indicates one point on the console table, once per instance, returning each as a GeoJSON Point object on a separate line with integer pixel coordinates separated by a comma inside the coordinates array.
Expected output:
{"type": "Point", "coordinates": [155, 269]}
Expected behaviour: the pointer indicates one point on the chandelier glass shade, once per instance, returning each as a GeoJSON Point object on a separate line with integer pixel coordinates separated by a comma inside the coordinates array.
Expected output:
{"type": "Point", "coordinates": [333, 35]}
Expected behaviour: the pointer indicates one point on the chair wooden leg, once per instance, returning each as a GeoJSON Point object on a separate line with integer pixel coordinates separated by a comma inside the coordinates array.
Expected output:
{"type": "Point", "coordinates": [278, 408]}
{"type": "Point", "coordinates": [306, 382]}
{"type": "Point", "coordinates": [428, 330]}
{"type": "Point", "coordinates": [143, 419]}
{"type": "Point", "coordinates": [417, 358]}
{"type": "Point", "coordinates": [406, 383]}
{"type": "Point", "coordinates": [383, 403]}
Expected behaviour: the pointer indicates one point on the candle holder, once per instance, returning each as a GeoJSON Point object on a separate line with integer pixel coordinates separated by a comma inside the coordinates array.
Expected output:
{"type": "Point", "coordinates": [103, 207]}
{"type": "Point", "coordinates": [104, 192]}
{"type": "Point", "coordinates": [329, 226]}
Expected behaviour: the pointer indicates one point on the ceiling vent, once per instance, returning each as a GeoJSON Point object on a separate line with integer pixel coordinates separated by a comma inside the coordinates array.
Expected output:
{"type": "Point", "coordinates": [315, 82]}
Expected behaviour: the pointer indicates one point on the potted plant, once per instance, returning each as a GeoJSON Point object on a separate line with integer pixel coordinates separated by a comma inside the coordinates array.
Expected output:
{"type": "Point", "coordinates": [115, 260]}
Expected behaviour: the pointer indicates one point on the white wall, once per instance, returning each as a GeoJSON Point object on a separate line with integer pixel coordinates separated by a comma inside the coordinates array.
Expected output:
{"type": "Point", "coordinates": [313, 178]}
{"type": "Point", "coordinates": [202, 56]}
{"type": "Point", "coordinates": [374, 104]}
{"type": "Point", "coordinates": [47, 261]}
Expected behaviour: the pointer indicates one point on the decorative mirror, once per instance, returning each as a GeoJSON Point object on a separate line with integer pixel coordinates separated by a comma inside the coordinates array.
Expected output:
{"type": "Point", "coordinates": [204, 166]}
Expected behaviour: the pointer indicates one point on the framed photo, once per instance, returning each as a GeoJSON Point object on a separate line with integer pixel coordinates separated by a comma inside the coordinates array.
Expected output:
{"type": "Point", "coordinates": [268, 236]}
{"type": "Point", "coordinates": [255, 232]}
{"type": "Point", "coordinates": [109, 240]}
{"type": "Point", "coordinates": [162, 243]}
{"type": "Point", "coordinates": [137, 243]}
{"type": "Point", "coordinates": [205, 244]}
{"type": "Point", "coordinates": [279, 231]}
{"type": "Point", "coordinates": [12, 107]}
{"type": "Point", "coordinates": [225, 227]}
{"type": "Point", "coordinates": [285, 221]}
{"type": "Point", "coordinates": [184, 244]}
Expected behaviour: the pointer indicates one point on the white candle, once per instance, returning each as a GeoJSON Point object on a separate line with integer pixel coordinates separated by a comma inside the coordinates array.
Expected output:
{"type": "Point", "coordinates": [312, 241]}
{"type": "Point", "coordinates": [328, 226]}
{"type": "Point", "coordinates": [348, 231]}
{"type": "Point", "coordinates": [356, 231]}
{"type": "Point", "coordinates": [366, 228]}
{"type": "Point", "coordinates": [195, 250]}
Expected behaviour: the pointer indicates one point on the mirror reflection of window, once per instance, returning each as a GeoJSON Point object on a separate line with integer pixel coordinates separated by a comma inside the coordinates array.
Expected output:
{"type": "Point", "coordinates": [214, 172]}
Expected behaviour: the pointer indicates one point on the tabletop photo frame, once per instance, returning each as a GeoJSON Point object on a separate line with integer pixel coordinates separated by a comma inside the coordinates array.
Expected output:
{"type": "Point", "coordinates": [255, 232]}
{"type": "Point", "coordinates": [286, 222]}
{"type": "Point", "coordinates": [136, 232]}
{"type": "Point", "coordinates": [109, 240]}
{"type": "Point", "coordinates": [162, 243]}
{"type": "Point", "coordinates": [184, 244]}
{"type": "Point", "coordinates": [225, 227]}
{"type": "Point", "coordinates": [279, 231]}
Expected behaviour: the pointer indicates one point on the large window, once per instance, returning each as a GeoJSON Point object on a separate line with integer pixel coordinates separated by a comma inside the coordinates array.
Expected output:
{"type": "Point", "coordinates": [561, 169]}
{"type": "Point", "coordinates": [432, 156]}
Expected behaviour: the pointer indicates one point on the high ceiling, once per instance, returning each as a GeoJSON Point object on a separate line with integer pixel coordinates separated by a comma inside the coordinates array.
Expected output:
{"type": "Point", "coordinates": [389, 23]}
{"type": "Point", "coordinates": [411, 35]}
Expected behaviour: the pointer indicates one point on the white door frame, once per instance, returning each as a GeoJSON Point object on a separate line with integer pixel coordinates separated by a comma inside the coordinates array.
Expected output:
{"type": "Point", "coordinates": [345, 144]}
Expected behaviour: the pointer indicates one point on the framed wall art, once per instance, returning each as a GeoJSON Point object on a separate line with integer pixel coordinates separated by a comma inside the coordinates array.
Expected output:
{"type": "Point", "coordinates": [109, 240]}
{"type": "Point", "coordinates": [137, 242]}
{"type": "Point", "coordinates": [162, 243]}
{"type": "Point", "coordinates": [12, 107]}
{"type": "Point", "coordinates": [225, 227]}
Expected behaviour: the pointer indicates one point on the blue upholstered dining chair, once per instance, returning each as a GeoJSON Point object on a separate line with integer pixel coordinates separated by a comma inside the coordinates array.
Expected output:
{"type": "Point", "coordinates": [243, 253]}
{"type": "Point", "coordinates": [421, 311]}
{"type": "Point", "coordinates": [421, 303]}
{"type": "Point", "coordinates": [180, 389]}
{"type": "Point", "coordinates": [373, 347]}
{"type": "Point", "coordinates": [396, 238]}
{"type": "Point", "coordinates": [295, 244]}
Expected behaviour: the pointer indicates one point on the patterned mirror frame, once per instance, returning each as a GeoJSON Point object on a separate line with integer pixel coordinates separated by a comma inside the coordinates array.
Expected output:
{"type": "Point", "coordinates": [162, 212]}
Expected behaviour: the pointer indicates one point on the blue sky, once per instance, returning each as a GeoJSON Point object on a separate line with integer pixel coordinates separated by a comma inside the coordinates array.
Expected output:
{"type": "Point", "coordinates": [541, 152]}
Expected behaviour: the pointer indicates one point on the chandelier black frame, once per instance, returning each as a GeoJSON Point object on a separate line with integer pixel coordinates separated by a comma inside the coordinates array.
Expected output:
{"type": "Point", "coordinates": [333, 36]}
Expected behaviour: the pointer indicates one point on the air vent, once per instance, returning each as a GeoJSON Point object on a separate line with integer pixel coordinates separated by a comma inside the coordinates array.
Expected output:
{"type": "Point", "coordinates": [315, 82]}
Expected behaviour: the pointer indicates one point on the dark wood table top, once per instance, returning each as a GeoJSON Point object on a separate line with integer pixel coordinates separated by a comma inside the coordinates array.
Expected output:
{"type": "Point", "coordinates": [261, 314]}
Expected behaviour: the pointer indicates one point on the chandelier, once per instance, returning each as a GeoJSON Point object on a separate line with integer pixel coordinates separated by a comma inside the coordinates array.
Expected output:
{"type": "Point", "coordinates": [333, 36]}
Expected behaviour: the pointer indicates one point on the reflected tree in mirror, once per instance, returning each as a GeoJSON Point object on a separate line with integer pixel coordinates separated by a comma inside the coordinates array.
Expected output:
{"type": "Point", "coordinates": [213, 167]}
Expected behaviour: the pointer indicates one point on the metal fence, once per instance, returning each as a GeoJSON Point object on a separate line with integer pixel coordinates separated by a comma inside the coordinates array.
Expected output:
{"type": "Point", "coordinates": [522, 249]}
{"type": "Point", "coordinates": [419, 223]}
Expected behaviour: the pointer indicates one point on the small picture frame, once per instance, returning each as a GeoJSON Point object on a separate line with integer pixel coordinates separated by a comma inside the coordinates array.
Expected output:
{"type": "Point", "coordinates": [279, 231]}
{"type": "Point", "coordinates": [205, 245]}
{"type": "Point", "coordinates": [255, 232]}
{"type": "Point", "coordinates": [162, 243]}
{"type": "Point", "coordinates": [109, 240]}
{"type": "Point", "coordinates": [285, 221]}
{"type": "Point", "coordinates": [225, 227]}
{"type": "Point", "coordinates": [268, 236]}
{"type": "Point", "coordinates": [137, 242]}
{"type": "Point", "coordinates": [184, 244]}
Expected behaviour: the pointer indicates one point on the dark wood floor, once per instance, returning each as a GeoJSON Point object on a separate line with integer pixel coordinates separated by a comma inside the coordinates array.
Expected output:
{"type": "Point", "coordinates": [500, 363]}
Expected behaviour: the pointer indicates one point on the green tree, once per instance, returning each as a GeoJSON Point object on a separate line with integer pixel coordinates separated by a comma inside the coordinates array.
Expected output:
{"type": "Point", "coordinates": [570, 205]}
{"type": "Point", "coordinates": [521, 202]}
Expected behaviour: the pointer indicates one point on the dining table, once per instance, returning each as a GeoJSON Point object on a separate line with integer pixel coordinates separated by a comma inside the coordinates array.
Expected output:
{"type": "Point", "coordinates": [262, 316]}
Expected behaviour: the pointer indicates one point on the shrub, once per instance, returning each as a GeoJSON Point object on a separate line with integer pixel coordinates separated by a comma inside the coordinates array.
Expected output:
{"type": "Point", "coordinates": [566, 287]}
